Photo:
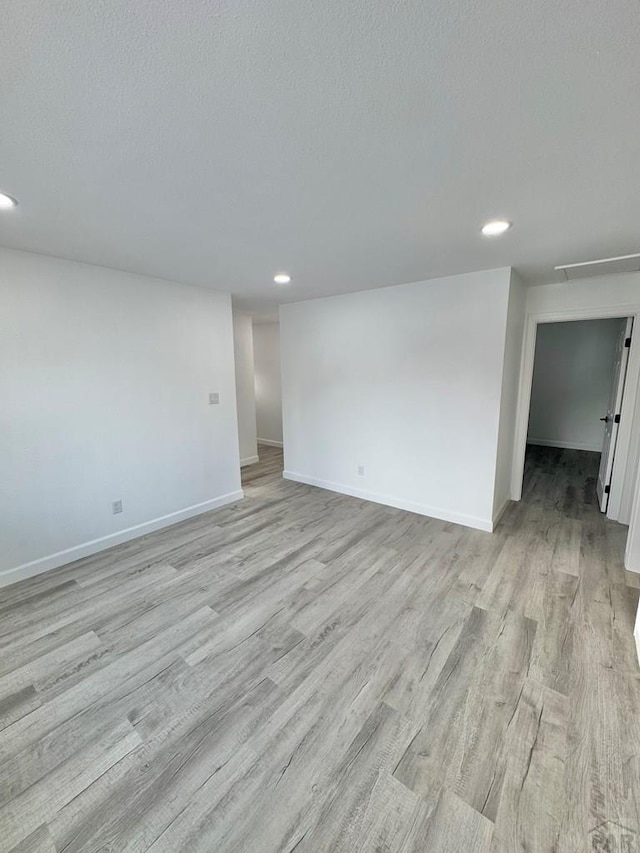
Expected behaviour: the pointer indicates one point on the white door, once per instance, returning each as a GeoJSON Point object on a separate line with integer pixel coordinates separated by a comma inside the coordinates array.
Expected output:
{"type": "Point", "coordinates": [612, 418]}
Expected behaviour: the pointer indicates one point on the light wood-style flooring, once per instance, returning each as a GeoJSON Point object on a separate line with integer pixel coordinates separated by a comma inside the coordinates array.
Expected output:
{"type": "Point", "coordinates": [307, 672]}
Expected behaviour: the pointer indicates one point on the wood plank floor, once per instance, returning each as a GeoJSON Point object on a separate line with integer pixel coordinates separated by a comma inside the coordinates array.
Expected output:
{"type": "Point", "coordinates": [306, 671]}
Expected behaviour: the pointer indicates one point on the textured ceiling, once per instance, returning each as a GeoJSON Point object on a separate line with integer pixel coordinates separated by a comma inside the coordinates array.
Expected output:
{"type": "Point", "coordinates": [353, 143]}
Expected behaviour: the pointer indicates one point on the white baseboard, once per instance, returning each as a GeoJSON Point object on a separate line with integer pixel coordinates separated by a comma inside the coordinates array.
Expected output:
{"type": "Point", "coordinates": [398, 503]}
{"type": "Point", "coordinates": [87, 549]}
{"type": "Point", "coordinates": [497, 515]}
{"type": "Point", "coordinates": [269, 443]}
{"type": "Point", "coordinates": [250, 460]}
{"type": "Point", "coordinates": [566, 445]}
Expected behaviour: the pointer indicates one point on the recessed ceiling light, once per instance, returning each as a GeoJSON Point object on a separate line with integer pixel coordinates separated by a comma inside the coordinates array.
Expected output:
{"type": "Point", "coordinates": [6, 202]}
{"type": "Point", "coordinates": [282, 278]}
{"type": "Point", "coordinates": [495, 227]}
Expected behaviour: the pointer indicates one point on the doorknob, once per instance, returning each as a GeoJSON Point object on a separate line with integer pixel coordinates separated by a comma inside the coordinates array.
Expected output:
{"type": "Point", "coordinates": [606, 420]}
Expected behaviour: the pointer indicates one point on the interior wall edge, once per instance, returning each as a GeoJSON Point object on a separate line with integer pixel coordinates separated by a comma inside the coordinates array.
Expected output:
{"type": "Point", "coordinates": [88, 549]}
{"type": "Point", "coordinates": [485, 524]}
{"type": "Point", "coordinates": [267, 370]}
{"type": "Point", "coordinates": [507, 416]}
{"type": "Point", "coordinates": [497, 515]}
{"type": "Point", "coordinates": [245, 386]}
{"type": "Point", "coordinates": [632, 549]}
{"type": "Point", "coordinates": [250, 460]}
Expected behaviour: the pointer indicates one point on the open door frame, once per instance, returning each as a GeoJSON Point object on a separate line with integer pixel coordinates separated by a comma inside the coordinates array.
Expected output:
{"type": "Point", "coordinates": [628, 442]}
{"type": "Point", "coordinates": [612, 418]}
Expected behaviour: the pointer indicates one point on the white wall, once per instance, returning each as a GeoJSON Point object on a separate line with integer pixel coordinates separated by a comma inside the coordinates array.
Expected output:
{"type": "Point", "coordinates": [245, 387]}
{"type": "Point", "coordinates": [266, 354]}
{"type": "Point", "coordinates": [619, 291]}
{"type": "Point", "coordinates": [632, 555]}
{"type": "Point", "coordinates": [104, 382]}
{"type": "Point", "coordinates": [508, 403]}
{"type": "Point", "coordinates": [589, 298]}
{"type": "Point", "coordinates": [572, 378]}
{"type": "Point", "coordinates": [405, 381]}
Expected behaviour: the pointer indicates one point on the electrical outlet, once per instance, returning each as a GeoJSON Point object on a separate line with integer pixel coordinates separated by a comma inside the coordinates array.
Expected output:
{"type": "Point", "coordinates": [214, 398]}
{"type": "Point", "coordinates": [361, 470]}
{"type": "Point", "coordinates": [116, 507]}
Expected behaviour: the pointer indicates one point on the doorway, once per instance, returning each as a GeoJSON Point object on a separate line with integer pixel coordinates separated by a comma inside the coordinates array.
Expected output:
{"type": "Point", "coordinates": [577, 394]}
{"type": "Point", "coordinates": [614, 412]}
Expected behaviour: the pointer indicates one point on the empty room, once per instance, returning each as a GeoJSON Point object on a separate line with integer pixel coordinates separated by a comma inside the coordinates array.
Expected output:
{"type": "Point", "coordinates": [319, 427]}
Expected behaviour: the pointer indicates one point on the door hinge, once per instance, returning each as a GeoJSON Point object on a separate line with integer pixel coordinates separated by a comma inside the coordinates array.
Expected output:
{"type": "Point", "coordinates": [616, 419]}
{"type": "Point", "coordinates": [627, 342]}
{"type": "Point", "coordinates": [607, 489]}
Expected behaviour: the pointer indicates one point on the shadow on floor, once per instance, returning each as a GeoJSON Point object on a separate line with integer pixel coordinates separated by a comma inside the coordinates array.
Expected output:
{"type": "Point", "coordinates": [560, 479]}
{"type": "Point", "coordinates": [270, 466]}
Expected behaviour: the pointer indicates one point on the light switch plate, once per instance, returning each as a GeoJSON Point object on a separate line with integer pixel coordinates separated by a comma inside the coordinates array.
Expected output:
{"type": "Point", "coordinates": [214, 398]}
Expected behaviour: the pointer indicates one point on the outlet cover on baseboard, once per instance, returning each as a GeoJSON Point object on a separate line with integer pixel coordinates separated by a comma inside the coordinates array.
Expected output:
{"type": "Point", "coordinates": [116, 507]}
